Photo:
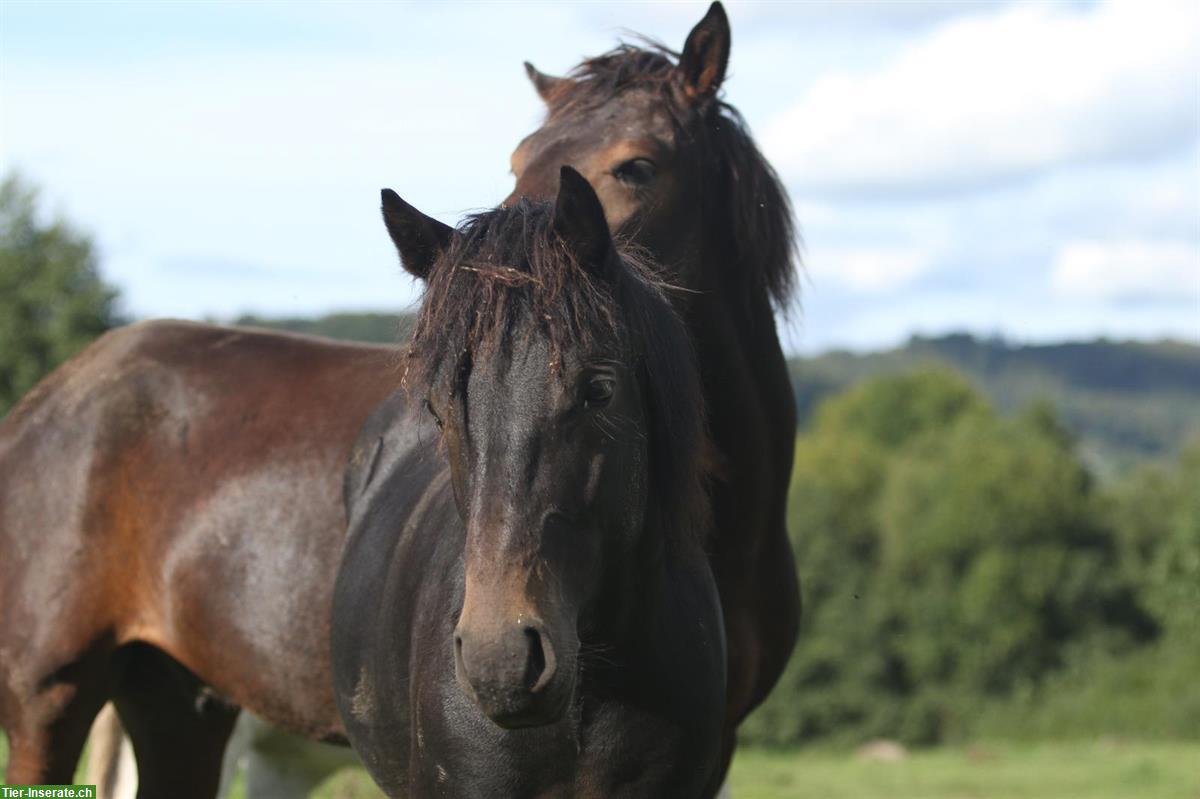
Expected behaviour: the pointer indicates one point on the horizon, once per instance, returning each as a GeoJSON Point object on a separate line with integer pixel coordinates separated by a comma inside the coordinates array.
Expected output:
{"type": "Point", "coordinates": [980, 337]}
{"type": "Point", "coordinates": [227, 159]}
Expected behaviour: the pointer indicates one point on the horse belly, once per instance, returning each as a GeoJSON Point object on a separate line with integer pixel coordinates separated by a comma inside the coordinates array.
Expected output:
{"type": "Point", "coordinates": [249, 580]}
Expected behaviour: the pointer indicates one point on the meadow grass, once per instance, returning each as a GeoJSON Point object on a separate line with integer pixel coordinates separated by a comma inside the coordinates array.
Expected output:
{"type": "Point", "coordinates": [1105, 769]}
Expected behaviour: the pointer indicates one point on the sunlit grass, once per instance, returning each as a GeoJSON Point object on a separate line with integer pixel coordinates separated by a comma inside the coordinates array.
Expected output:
{"type": "Point", "coordinates": [1104, 769]}
{"type": "Point", "coordinates": [1043, 770]}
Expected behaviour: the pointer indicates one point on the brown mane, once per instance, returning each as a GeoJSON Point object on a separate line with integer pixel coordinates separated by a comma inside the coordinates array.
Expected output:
{"type": "Point", "coordinates": [750, 202]}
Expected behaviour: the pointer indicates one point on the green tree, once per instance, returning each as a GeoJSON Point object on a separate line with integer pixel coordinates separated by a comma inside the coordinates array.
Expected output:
{"type": "Point", "coordinates": [1156, 513]}
{"type": "Point", "coordinates": [950, 557]}
{"type": "Point", "coordinates": [52, 299]}
{"type": "Point", "coordinates": [1151, 691]}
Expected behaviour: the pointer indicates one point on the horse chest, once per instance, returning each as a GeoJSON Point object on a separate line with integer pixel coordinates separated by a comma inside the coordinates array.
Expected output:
{"type": "Point", "coordinates": [608, 751]}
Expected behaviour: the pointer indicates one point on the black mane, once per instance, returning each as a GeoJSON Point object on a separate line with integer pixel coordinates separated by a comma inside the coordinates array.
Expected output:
{"type": "Point", "coordinates": [508, 276]}
{"type": "Point", "coordinates": [748, 199]}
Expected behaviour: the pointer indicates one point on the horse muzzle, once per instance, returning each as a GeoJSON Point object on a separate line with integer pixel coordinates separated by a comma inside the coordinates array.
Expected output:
{"type": "Point", "coordinates": [513, 672]}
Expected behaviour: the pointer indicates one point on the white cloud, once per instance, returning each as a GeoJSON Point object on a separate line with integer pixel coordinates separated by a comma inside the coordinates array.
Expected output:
{"type": "Point", "coordinates": [1129, 269]}
{"type": "Point", "coordinates": [867, 270]}
{"type": "Point", "coordinates": [999, 97]}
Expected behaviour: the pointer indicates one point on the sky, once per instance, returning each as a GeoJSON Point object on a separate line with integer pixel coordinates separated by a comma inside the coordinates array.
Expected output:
{"type": "Point", "coordinates": [1023, 169]}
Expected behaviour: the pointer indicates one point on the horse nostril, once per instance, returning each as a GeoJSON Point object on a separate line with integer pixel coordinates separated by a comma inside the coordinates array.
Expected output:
{"type": "Point", "coordinates": [539, 664]}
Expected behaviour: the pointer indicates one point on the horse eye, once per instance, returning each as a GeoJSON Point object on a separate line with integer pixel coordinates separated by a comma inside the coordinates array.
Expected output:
{"type": "Point", "coordinates": [598, 392]}
{"type": "Point", "coordinates": [635, 172]}
{"type": "Point", "coordinates": [436, 419]}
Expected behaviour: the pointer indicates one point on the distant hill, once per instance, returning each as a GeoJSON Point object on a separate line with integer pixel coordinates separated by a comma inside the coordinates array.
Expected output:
{"type": "Point", "coordinates": [1124, 401]}
{"type": "Point", "coordinates": [380, 328]}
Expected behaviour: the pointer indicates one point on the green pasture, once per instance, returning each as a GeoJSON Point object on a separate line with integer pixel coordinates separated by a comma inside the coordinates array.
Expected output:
{"type": "Point", "coordinates": [1051, 770]}
{"type": "Point", "coordinates": [1100, 769]}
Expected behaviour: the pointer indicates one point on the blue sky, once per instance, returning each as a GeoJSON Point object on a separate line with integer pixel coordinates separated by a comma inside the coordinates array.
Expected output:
{"type": "Point", "coordinates": [1016, 168]}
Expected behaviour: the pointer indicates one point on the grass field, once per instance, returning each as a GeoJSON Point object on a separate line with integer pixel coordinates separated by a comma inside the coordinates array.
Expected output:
{"type": "Point", "coordinates": [1046, 770]}
{"type": "Point", "coordinates": [1051, 770]}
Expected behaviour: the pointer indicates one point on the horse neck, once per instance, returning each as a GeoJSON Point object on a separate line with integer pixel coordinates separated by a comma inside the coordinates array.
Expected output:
{"type": "Point", "coordinates": [749, 399]}
{"type": "Point", "coordinates": [734, 331]}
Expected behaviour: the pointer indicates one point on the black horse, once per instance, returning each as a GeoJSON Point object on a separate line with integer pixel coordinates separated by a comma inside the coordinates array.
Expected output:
{"type": "Point", "coordinates": [524, 606]}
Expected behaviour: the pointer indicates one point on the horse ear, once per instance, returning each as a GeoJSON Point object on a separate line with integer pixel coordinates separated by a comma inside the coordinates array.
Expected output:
{"type": "Point", "coordinates": [705, 55]}
{"type": "Point", "coordinates": [579, 221]}
{"type": "Point", "coordinates": [419, 239]}
{"type": "Point", "coordinates": [543, 83]}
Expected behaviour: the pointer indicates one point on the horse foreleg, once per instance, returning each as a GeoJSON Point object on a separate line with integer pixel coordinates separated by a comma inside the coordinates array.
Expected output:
{"type": "Point", "coordinates": [178, 728]}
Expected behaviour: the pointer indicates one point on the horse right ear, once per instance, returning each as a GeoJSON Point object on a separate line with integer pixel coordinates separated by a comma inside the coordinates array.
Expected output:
{"type": "Point", "coordinates": [420, 239]}
{"type": "Point", "coordinates": [705, 55]}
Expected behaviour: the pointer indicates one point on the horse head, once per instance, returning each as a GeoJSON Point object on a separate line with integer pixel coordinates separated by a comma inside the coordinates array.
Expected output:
{"type": "Point", "coordinates": [673, 165]}
{"type": "Point", "coordinates": [567, 402]}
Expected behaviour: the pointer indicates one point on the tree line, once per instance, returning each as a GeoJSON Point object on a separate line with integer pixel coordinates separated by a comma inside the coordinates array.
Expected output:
{"type": "Point", "coordinates": [1124, 401]}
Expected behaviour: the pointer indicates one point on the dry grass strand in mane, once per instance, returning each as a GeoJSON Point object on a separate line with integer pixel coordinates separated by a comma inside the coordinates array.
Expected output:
{"type": "Point", "coordinates": [507, 276]}
{"type": "Point", "coordinates": [503, 268]}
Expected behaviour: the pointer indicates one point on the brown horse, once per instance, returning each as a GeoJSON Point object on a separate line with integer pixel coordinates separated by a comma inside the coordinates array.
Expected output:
{"type": "Point", "coordinates": [170, 507]}
{"type": "Point", "coordinates": [170, 525]}
{"type": "Point", "coordinates": [678, 172]}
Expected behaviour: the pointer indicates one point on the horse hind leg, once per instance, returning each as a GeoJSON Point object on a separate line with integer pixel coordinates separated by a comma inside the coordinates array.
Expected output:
{"type": "Point", "coordinates": [178, 730]}
{"type": "Point", "coordinates": [48, 724]}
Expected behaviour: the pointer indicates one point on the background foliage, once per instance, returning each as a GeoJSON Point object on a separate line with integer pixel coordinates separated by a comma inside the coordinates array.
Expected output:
{"type": "Point", "coordinates": [964, 574]}
{"type": "Point", "coordinates": [52, 299]}
{"type": "Point", "coordinates": [1123, 401]}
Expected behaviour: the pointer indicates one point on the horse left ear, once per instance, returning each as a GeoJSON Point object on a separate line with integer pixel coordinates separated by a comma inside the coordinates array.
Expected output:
{"type": "Point", "coordinates": [579, 221]}
{"type": "Point", "coordinates": [419, 239]}
{"type": "Point", "coordinates": [705, 55]}
{"type": "Point", "coordinates": [543, 83]}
